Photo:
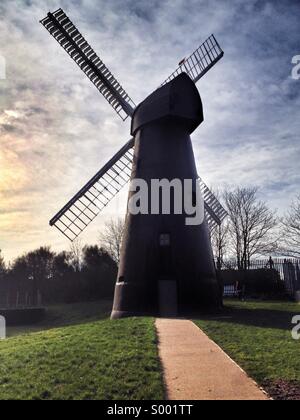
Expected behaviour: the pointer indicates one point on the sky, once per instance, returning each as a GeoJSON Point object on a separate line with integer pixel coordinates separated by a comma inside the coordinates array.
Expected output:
{"type": "Point", "coordinates": [56, 130]}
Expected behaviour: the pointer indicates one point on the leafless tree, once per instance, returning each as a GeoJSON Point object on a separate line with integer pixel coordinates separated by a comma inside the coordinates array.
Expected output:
{"type": "Point", "coordinates": [220, 242]}
{"type": "Point", "coordinates": [110, 238]}
{"type": "Point", "coordinates": [75, 255]}
{"type": "Point", "coordinates": [252, 225]}
{"type": "Point", "coordinates": [291, 230]}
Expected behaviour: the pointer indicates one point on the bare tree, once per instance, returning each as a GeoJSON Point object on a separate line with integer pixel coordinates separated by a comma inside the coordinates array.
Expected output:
{"type": "Point", "coordinates": [252, 225]}
{"type": "Point", "coordinates": [111, 238]}
{"type": "Point", "coordinates": [291, 230]}
{"type": "Point", "coordinates": [75, 255]}
{"type": "Point", "coordinates": [220, 242]}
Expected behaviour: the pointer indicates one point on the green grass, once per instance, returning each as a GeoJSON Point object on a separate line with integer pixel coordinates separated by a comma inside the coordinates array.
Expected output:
{"type": "Point", "coordinates": [92, 359]}
{"type": "Point", "coordinates": [76, 352]}
{"type": "Point", "coordinates": [257, 335]}
{"type": "Point", "coordinates": [66, 315]}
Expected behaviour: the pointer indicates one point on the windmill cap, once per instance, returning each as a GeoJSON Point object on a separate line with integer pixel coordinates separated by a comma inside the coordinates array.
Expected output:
{"type": "Point", "coordinates": [178, 99]}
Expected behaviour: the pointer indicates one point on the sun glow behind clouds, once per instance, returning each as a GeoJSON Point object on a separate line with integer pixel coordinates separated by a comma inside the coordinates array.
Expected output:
{"type": "Point", "coordinates": [12, 173]}
{"type": "Point", "coordinates": [13, 176]}
{"type": "Point", "coordinates": [12, 114]}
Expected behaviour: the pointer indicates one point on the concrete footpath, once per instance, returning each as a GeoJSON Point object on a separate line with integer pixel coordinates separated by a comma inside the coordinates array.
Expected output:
{"type": "Point", "coordinates": [195, 368]}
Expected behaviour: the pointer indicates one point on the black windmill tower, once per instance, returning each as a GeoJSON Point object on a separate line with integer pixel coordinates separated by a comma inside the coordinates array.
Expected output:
{"type": "Point", "coordinates": [166, 266]}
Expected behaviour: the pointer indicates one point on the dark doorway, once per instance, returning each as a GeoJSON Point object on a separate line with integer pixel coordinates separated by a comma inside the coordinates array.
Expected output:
{"type": "Point", "coordinates": [168, 302]}
{"type": "Point", "coordinates": [167, 287]}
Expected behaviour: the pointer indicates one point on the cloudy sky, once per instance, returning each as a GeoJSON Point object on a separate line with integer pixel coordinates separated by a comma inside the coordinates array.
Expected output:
{"type": "Point", "coordinates": [56, 130]}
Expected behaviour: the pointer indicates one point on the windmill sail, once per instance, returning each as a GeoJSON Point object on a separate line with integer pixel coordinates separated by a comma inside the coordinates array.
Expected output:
{"type": "Point", "coordinates": [67, 35]}
{"type": "Point", "coordinates": [84, 207]}
{"type": "Point", "coordinates": [214, 211]}
{"type": "Point", "coordinates": [200, 62]}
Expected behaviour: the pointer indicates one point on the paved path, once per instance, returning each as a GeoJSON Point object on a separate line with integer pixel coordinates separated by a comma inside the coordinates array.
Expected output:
{"type": "Point", "coordinates": [195, 368]}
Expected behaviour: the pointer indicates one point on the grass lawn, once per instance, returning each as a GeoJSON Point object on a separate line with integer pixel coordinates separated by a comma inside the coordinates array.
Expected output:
{"type": "Point", "coordinates": [257, 335]}
{"type": "Point", "coordinates": [83, 357]}
{"type": "Point", "coordinates": [76, 352]}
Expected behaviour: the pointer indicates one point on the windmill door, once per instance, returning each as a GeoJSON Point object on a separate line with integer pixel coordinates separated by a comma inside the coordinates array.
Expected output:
{"type": "Point", "coordinates": [167, 287]}
{"type": "Point", "coordinates": [168, 302]}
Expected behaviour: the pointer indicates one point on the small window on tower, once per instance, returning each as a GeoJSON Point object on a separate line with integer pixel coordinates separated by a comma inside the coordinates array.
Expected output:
{"type": "Point", "coordinates": [165, 239]}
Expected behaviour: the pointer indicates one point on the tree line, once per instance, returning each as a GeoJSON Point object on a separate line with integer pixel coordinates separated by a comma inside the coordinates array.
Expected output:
{"type": "Point", "coordinates": [89, 273]}
{"type": "Point", "coordinates": [43, 276]}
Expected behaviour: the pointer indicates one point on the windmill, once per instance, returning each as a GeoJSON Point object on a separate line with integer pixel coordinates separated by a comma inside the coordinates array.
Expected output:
{"type": "Point", "coordinates": [165, 265]}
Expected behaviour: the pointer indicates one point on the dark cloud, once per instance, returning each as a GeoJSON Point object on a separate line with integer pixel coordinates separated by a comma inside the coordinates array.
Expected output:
{"type": "Point", "coordinates": [9, 128]}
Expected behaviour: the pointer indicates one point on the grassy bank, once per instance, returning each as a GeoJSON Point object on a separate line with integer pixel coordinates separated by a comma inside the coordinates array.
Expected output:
{"type": "Point", "coordinates": [91, 359]}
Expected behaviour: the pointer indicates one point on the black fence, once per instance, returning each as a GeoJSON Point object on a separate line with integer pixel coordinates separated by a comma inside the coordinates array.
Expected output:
{"type": "Point", "coordinates": [264, 277]}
